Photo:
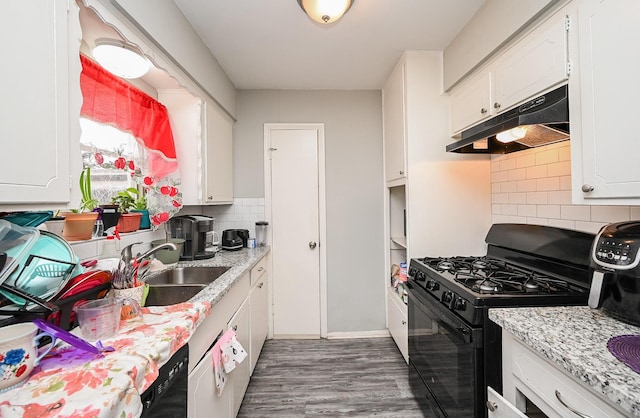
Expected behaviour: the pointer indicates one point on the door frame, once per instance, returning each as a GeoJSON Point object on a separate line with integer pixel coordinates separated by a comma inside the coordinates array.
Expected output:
{"type": "Point", "coordinates": [322, 214]}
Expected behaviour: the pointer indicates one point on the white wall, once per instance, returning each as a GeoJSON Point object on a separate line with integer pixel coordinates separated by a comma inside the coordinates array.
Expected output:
{"type": "Point", "coordinates": [534, 187]}
{"type": "Point", "coordinates": [354, 192]}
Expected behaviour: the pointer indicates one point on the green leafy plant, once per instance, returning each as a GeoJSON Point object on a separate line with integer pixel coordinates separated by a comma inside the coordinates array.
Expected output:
{"type": "Point", "coordinates": [87, 202]}
{"type": "Point", "coordinates": [129, 199]}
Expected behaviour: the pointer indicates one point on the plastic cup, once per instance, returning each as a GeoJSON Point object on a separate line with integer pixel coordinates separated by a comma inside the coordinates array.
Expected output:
{"type": "Point", "coordinates": [99, 319]}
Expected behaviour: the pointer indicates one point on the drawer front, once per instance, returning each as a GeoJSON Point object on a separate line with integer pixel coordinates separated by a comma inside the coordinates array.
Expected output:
{"type": "Point", "coordinates": [498, 406]}
{"type": "Point", "coordinates": [557, 389]}
{"type": "Point", "coordinates": [397, 323]}
{"type": "Point", "coordinates": [258, 270]}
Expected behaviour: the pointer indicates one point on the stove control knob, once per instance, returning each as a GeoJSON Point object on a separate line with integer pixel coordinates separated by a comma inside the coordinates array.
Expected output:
{"type": "Point", "coordinates": [420, 276]}
{"type": "Point", "coordinates": [459, 304]}
{"type": "Point", "coordinates": [432, 285]}
{"type": "Point", "coordinates": [447, 297]}
{"type": "Point", "coordinates": [412, 271]}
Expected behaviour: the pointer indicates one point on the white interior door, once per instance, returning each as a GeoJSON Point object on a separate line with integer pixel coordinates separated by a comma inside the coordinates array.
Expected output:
{"type": "Point", "coordinates": [294, 187]}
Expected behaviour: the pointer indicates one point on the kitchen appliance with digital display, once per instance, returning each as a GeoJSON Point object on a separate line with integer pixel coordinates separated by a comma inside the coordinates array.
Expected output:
{"type": "Point", "coordinates": [454, 349]}
{"type": "Point", "coordinates": [615, 261]}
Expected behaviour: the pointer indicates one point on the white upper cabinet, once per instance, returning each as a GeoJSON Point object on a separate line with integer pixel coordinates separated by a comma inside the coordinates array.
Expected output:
{"type": "Point", "coordinates": [218, 135]}
{"type": "Point", "coordinates": [35, 130]}
{"type": "Point", "coordinates": [394, 125]}
{"type": "Point", "coordinates": [203, 136]}
{"type": "Point", "coordinates": [534, 64]}
{"type": "Point", "coordinates": [471, 102]}
{"type": "Point", "coordinates": [603, 104]}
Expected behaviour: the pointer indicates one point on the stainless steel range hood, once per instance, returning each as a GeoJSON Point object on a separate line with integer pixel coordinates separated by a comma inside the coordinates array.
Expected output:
{"type": "Point", "coordinates": [545, 120]}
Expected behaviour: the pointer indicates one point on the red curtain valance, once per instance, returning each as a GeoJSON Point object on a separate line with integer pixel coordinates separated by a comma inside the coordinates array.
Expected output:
{"type": "Point", "coordinates": [108, 99]}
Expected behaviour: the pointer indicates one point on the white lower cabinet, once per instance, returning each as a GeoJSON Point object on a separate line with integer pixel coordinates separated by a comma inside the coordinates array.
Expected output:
{"type": "Point", "coordinates": [531, 381]}
{"type": "Point", "coordinates": [397, 322]}
{"type": "Point", "coordinates": [239, 377]}
{"type": "Point", "coordinates": [245, 310]}
{"type": "Point", "coordinates": [259, 307]}
{"type": "Point", "coordinates": [202, 399]}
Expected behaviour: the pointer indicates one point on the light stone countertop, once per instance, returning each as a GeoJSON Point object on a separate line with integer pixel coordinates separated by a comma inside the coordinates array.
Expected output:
{"type": "Point", "coordinates": [575, 340]}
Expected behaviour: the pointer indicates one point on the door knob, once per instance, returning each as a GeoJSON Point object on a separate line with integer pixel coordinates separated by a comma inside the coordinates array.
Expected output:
{"type": "Point", "coordinates": [312, 245]}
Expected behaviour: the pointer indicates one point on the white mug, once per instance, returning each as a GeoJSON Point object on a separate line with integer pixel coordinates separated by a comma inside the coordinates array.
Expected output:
{"type": "Point", "coordinates": [19, 353]}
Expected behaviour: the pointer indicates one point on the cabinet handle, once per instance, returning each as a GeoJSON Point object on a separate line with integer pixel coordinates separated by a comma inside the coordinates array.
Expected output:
{"type": "Point", "coordinates": [578, 413]}
{"type": "Point", "coordinates": [260, 268]}
{"type": "Point", "coordinates": [496, 105]}
{"type": "Point", "coordinates": [586, 188]}
{"type": "Point", "coordinates": [261, 284]}
{"type": "Point", "coordinates": [492, 406]}
{"type": "Point", "coordinates": [235, 327]}
{"type": "Point", "coordinates": [483, 111]}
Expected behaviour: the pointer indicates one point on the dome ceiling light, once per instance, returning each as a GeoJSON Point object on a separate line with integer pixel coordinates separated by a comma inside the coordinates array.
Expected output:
{"type": "Point", "coordinates": [325, 11]}
{"type": "Point", "coordinates": [120, 58]}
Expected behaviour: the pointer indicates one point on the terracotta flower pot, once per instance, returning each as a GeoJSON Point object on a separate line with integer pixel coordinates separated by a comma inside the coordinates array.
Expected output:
{"type": "Point", "coordinates": [78, 226]}
{"type": "Point", "coordinates": [129, 222]}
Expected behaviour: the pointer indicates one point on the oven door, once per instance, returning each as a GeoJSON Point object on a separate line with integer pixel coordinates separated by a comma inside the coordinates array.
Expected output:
{"type": "Point", "coordinates": [445, 355]}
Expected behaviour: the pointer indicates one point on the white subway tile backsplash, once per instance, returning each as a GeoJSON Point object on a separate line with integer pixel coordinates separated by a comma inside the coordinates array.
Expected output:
{"type": "Point", "coordinates": [575, 213]}
{"type": "Point", "coordinates": [610, 213]}
{"type": "Point", "coordinates": [537, 198]}
{"type": "Point", "coordinates": [536, 172]}
{"type": "Point", "coordinates": [547, 184]}
{"type": "Point", "coordinates": [534, 186]}
{"type": "Point", "coordinates": [559, 169]}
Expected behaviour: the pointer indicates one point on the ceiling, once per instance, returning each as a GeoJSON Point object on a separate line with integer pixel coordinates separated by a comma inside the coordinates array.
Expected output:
{"type": "Point", "coordinates": [272, 44]}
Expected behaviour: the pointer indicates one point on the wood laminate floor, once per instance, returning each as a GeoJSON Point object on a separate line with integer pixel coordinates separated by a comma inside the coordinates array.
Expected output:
{"type": "Point", "coordinates": [330, 378]}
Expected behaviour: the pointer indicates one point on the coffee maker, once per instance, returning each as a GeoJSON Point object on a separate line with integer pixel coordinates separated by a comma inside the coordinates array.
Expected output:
{"type": "Point", "coordinates": [615, 266]}
{"type": "Point", "coordinates": [193, 229]}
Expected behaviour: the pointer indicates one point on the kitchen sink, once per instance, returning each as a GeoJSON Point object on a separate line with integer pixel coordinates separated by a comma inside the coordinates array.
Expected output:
{"type": "Point", "coordinates": [163, 295]}
{"type": "Point", "coordinates": [187, 275]}
{"type": "Point", "coordinates": [180, 284]}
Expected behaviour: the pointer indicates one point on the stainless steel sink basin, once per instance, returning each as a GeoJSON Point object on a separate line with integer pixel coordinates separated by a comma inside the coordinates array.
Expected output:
{"type": "Point", "coordinates": [180, 284]}
{"type": "Point", "coordinates": [188, 275]}
{"type": "Point", "coordinates": [163, 295]}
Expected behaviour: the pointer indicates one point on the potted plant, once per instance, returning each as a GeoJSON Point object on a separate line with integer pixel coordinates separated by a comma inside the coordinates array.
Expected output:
{"type": "Point", "coordinates": [126, 201]}
{"type": "Point", "coordinates": [140, 205]}
{"type": "Point", "coordinates": [79, 223]}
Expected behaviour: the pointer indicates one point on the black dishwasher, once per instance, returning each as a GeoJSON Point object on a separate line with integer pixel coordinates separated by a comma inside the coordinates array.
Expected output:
{"type": "Point", "coordinates": [167, 395]}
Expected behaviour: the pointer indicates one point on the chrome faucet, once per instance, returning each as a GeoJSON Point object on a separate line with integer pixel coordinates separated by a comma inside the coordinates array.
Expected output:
{"type": "Point", "coordinates": [127, 254]}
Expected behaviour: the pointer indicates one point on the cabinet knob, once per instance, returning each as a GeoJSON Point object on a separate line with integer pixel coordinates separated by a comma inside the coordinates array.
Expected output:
{"type": "Point", "coordinates": [401, 173]}
{"type": "Point", "coordinates": [261, 284]}
{"type": "Point", "coordinates": [586, 188]}
{"type": "Point", "coordinates": [492, 406]}
{"type": "Point", "coordinates": [483, 111]}
{"type": "Point", "coordinates": [235, 327]}
{"type": "Point", "coordinates": [404, 322]}
{"type": "Point", "coordinates": [260, 268]}
{"type": "Point", "coordinates": [209, 197]}
{"type": "Point", "coordinates": [312, 245]}
{"type": "Point", "coordinates": [496, 105]}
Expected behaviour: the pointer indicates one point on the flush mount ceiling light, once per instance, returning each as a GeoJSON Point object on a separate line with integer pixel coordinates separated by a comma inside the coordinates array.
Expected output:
{"type": "Point", "coordinates": [120, 58]}
{"type": "Point", "coordinates": [325, 11]}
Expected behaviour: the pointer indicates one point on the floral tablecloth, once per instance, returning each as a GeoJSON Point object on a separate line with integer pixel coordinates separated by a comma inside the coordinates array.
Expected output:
{"type": "Point", "coordinates": [70, 382]}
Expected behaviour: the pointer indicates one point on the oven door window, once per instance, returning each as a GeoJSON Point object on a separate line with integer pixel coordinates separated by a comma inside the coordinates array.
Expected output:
{"type": "Point", "coordinates": [446, 353]}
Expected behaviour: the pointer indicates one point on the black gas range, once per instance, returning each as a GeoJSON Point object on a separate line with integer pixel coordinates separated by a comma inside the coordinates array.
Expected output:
{"type": "Point", "coordinates": [454, 349]}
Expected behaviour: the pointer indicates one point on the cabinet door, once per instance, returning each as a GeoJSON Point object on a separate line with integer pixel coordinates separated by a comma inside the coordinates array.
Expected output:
{"type": "Point", "coordinates": [397, 322]}
{"type": "Point", "coordinates": [35, 129]}
{"type": "Point", "coordinates": [394, 125]}
{"type": "Point", "coordinates": [605, 160]}
{"type": "Point", "coordinates": [219, 151]}
{"type": "Point", "coordinates": [498, 407]}
{"type": "Point", "coordinates": [471, 102]}
{"type": "Point", "coordinates": [203, 401]}
{"type": "Point", "coordinates": [259, 317]}
{"type": "Point", "coordinates": [239, 377]}
{"type": "Point", "coordinates": [533, 65]}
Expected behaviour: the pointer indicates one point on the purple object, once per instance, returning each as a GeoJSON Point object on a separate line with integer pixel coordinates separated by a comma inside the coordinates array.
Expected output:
{"type": "Point", "coordinates": [626, 348]}
{"type": "Point", "coordinates": [68, 337]}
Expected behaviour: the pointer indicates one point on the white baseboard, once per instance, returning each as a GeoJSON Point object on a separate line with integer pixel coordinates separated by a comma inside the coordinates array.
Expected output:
{"type": "Point", "coordinates": [358, 334]}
